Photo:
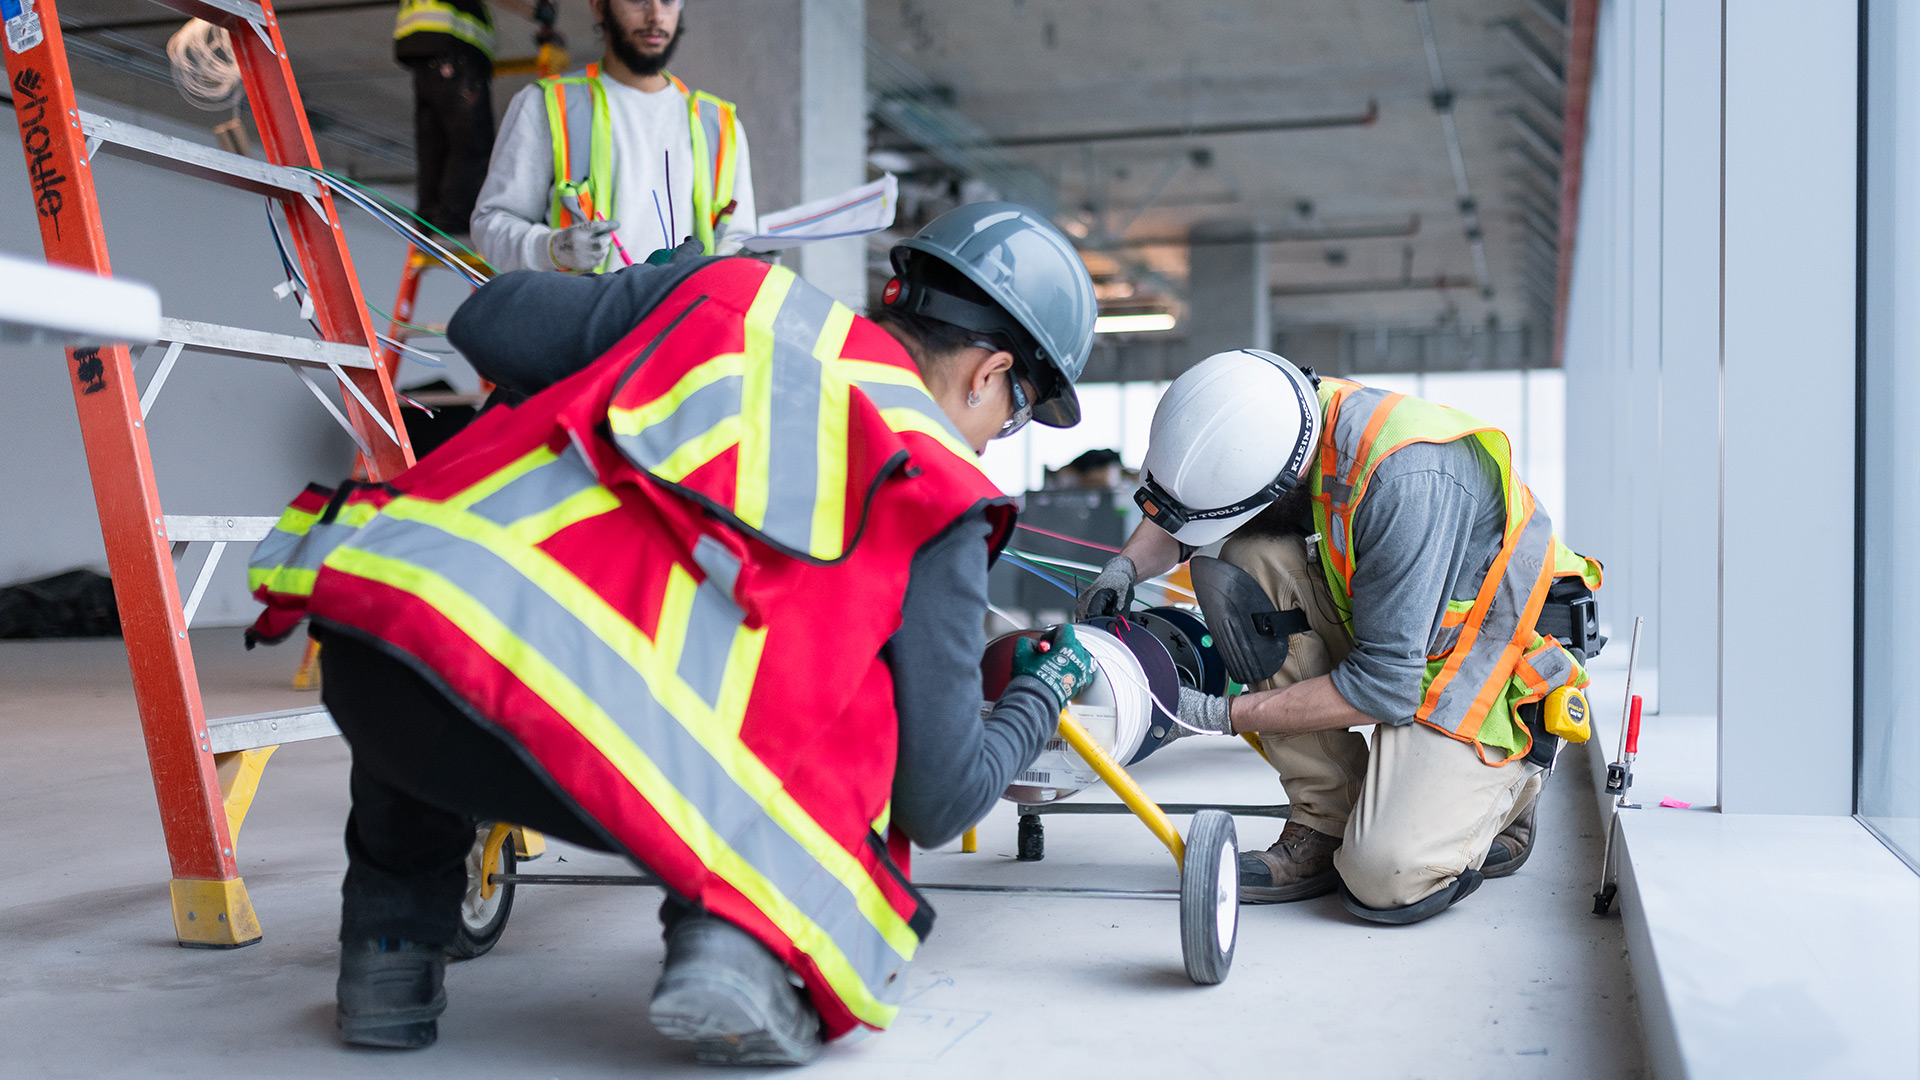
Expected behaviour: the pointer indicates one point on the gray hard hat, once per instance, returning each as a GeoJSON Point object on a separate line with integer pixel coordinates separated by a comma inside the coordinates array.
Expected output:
{"type": "Point", "coordinates": [1035, 277]}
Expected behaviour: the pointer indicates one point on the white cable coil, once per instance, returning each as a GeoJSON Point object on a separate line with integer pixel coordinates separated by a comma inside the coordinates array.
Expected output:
{"type": "Point", "coordinates": [204, 68]}
{"type": "Point", "coordinates": [1116, 709]}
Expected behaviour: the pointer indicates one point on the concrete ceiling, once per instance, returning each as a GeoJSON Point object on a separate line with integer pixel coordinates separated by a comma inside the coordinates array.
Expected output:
{"type": "Point", "coordinates": [1377, 202]}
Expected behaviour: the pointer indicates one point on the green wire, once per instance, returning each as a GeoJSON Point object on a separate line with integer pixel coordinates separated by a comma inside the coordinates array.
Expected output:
{"type": "Point", "coordinates": [383, 314]}
{"type": "Point", "coordinates": [389, 202]}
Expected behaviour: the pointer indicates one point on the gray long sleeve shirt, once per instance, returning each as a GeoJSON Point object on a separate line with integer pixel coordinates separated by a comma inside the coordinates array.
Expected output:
{"type": "Point", "coordinates": [525, 331]}
{"type": "Point", "coordinates": [1427, 531]}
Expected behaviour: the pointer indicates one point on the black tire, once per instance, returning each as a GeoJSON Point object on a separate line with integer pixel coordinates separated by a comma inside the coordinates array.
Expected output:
{"type": "Point", "coordinates": [1210, 897]}
{"type": "Point", "coordinates": [482, 920]}
{"type": "Point", "coordinates": [1030, 839]}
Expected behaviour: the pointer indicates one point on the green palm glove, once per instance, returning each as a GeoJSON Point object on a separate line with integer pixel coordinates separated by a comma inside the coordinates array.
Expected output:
{"type": "Point", "coordinates": [1056, 659]}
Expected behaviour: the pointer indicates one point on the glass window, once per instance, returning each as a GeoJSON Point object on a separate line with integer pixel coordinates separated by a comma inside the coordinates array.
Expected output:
{"type": "Point", "coordinates": [1888, 790]}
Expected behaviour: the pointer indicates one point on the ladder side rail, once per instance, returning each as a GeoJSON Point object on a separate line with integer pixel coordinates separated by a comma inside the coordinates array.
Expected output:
{"type": "Point", "coordinates": [120, 463]}
{"type": "Point", "coordinates": [281, 118]}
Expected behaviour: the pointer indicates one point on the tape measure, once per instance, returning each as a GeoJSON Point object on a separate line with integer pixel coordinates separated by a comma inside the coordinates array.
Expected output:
{"type": "Point", "coordinates": [1566, 715]}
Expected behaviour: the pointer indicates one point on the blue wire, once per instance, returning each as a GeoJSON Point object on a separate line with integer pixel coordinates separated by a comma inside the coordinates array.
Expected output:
{"type": "Point", "coordinates": [1039, 573]}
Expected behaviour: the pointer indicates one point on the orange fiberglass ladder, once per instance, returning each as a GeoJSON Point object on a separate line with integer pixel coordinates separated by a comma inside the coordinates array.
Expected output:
{"type": "Point", "coordinates": [205, 771]}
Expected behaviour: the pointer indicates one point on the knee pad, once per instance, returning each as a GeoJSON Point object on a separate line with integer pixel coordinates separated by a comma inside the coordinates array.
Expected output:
{"type": "Point", "coordinates": [1250, 634]}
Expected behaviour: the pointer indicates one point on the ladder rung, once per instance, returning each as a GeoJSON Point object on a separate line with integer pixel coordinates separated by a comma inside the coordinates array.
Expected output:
{"type": "Point", "coordinates": [212, 10]}
{"type": "Point", "coordinates": [139, 144]}
{"type": "Point", "coordinates": [261, 345]}
{"type": "Point", "coordinates": [183, 527]}
{"type": "Point", "coordinates": [254, 730]}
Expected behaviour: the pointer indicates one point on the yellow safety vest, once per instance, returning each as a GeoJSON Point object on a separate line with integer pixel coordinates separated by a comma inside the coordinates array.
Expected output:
{"type": "Point", "coordinates": [583, 178]}
{"type": "Point", "coordinates": [439, 17]}
{"type": "Point", "coordinates": [1485, 659]}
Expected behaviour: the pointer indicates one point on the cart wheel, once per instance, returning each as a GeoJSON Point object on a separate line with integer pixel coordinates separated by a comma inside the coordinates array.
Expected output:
{"type": "Point", "coordinates": [482, 918]}
{"type": "Point", "coordinates": [1210, 897]}
{"type": "Point", "coordinates": [1031, 839]}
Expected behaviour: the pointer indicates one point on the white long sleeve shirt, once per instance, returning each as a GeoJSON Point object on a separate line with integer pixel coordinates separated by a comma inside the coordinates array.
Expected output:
{"type": "Point", "coordinates": [653, 168]}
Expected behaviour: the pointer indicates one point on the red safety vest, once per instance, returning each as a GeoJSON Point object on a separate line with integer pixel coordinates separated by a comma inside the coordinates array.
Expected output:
{"type": "Point", "coordinates": [669, 579]}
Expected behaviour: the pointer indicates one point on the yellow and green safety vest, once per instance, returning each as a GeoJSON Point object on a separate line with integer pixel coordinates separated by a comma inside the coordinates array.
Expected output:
{"type": "Point", "coordinates": [583, 177]}
{"type": "Point", "coordinates": [1485, 659]}
{"type": "Point", "coordinates": [440, 17]}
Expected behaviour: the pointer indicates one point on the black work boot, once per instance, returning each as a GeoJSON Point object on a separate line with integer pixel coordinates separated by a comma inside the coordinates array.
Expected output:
{"type": "Point", "coordinates": [730, 997]}
{"type": "Point", "coordinates": [1299, 866]}
{"type": "Point", "coordinates": [1515, 842]}
{"type": "Point", "coordinates": [390, 993]}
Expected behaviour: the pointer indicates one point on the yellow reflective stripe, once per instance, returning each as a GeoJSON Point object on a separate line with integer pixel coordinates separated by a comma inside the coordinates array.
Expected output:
{"type": "Point", "coordinates": [905, 420]}
{"type": "Point", "coordinates": [830, 498]}
{"type": "Point", "coordinates": [699, 450]}
{"type": "Point", "coordinates": [632, 421]}
{"type": "Point", "coordinates": [902, 419]}
{"type": "Point", "coordinates": [572, 510]}
{"type": "Point", "coordinates": [287, 580]}
{"type": "Point", "coordinates": [507, 475]}
{"type": "Point", "coordinates": [296, 521]}
{"type": "Point", "coordinates": [714, 730]}
{"type": "Point", "coordinates": [434, 17]}
{"type": "Point", "coordinates": [756, 400]}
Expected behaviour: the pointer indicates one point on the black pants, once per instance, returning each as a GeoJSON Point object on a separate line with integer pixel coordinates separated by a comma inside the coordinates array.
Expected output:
{"type": "Point", "coordinates": [424, 774]}
{"type": "Point", "coordinates": [452, 134]}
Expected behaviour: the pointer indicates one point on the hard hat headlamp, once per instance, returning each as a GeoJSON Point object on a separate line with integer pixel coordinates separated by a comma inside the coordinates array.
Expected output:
{"type": "Point", "coordinates": [1172, 515]}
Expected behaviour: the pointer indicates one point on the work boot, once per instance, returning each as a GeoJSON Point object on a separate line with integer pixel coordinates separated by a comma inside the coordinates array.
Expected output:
{"type": "Point", "coordinates": [1299, 866]}
{"type": "Point", "coordinates": [730, 997]}
{"type": "Point", "coordinates": [1511, 848]}
{"type": "Point", "coordinates": [390, 993]}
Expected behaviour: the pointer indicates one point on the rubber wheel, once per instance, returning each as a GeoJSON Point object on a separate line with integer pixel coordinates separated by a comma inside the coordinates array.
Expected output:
{"type": "Point", "coordinates": [1210, 897]}
{"type": "Point", "coordinates": [1030, 839]}
{"type": "Point", "coordinates": [482, 919]}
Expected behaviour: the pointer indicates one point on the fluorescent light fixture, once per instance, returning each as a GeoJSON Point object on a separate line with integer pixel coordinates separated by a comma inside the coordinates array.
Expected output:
{"type": "Point", "coordinates": [1133, 324]}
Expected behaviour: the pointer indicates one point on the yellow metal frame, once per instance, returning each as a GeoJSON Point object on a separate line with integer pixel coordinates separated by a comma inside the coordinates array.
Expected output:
{"type": "Point", "coordinates": [490, 857]}
{"type": "Point", "coordinates": [1148, 811]}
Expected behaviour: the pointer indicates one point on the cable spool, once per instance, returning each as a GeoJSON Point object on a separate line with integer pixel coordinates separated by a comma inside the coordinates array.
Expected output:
{"type": "Point", "coordinates": [1186, 637]}
{"type": "Point", "coordinates": [204, 68]}
{"type": "Point", "coordinates": [1114, 709]}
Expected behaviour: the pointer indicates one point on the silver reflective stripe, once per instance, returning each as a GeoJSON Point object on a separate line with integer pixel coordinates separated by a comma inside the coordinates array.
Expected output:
{"type": "Point", "coordinates": [717, 562]}
{"type": "Point", "coordinates": [1498, 629]}
{"type": "Point", "coordinates": [793, 438]}
{"type": "Point", "coordinates": [709, 114]}
{"type": "Point", "coordinates": [285, 550]}
{"type": "Point", "coordinates": [579, 106]}
{"type": "Point", "coordinates": [1554, 665]}
{"type": "Point", "coordinates": [654, 444]}
{"type": "Point", "coordinates": [894, 396]}
{"type": "Point", "coordinates": [544, 625]}
{"type": "Point", "coordinates": [1356, 411]}
{"type": "Point", "coordinates": [1336, 490]}
{"type": "Point", "coordinates": [714, 618]}
{"type": "Point", "coordinates": [538, 490]}
{"type": "Point", "coordinates": [1443, 639]}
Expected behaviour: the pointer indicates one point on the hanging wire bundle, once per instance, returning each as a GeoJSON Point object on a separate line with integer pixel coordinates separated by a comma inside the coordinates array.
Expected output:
{"type": "Point", "coordinates": [204, 67]}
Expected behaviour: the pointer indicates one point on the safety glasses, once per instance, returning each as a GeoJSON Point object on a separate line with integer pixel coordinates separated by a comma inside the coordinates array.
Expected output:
{"type": "Point", "coordinates": [1022, 403]}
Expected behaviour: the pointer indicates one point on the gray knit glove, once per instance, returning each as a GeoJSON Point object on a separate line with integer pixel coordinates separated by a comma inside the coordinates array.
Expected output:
{"type": "Point", "coordinates": [581, 247]}
{"type": "Point", "coordinates": [1207, 713]}
{"type": "Point", "coordinates": [1111, 593]}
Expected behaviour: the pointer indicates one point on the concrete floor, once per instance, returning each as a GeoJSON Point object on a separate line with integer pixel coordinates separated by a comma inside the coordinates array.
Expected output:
{"type": "Point", "coordinates": [1519, 981]}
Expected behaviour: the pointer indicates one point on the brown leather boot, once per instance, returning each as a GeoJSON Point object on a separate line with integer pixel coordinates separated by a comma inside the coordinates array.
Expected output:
{"type": "Point", "coordinates": [1515, 842]}
{"type": "Point", "coordinates": [1299, 866]}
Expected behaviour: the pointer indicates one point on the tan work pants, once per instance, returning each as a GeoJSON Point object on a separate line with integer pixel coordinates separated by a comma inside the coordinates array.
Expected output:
{"type": "Point", "coordinates": [1416, 810]}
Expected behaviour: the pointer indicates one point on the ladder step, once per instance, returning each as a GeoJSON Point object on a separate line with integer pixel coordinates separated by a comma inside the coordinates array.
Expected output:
{"type": "Point", "coordinates": [261, 345]}
{"type": "Point", "coordinates": [183, 527]}
{"type": "Point", "coordinates": [254, 730]}
{"type": "Point", "coordinates": [139, 144]}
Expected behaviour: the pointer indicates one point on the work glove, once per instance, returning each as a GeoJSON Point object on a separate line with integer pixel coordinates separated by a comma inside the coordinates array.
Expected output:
{"type": "Point", "coordinates": [1058, 660]}
{"type": "Point", "coordinates": [581, 247]}
{"type": "Point", "coordinates": [1111, 593]}
{"type": "Point", "coordinates": [1203, 714]}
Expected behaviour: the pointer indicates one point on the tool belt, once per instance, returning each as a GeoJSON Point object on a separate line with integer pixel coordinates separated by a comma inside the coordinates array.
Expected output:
{"type": "Point", "coordinates": [1571, 617]}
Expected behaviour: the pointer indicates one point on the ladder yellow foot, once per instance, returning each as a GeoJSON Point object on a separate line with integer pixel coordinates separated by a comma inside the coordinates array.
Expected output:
{"type": "Point", "coordinates": [213, 914]}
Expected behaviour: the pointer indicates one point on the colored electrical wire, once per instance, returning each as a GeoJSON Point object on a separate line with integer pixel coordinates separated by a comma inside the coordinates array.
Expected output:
{"type": "Point", "coordinates": [364, 198]}
{"type": "Point", "coordinates": [1068, 539]}
{"type": "Point", "coordinates": [382, 312]}
{"type": "Point", "coordinates": [1039, 573]}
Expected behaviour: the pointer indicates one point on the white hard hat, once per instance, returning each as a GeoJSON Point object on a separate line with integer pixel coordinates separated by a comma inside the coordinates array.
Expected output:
{"type": "Point", "coordinates": [1231, 435]}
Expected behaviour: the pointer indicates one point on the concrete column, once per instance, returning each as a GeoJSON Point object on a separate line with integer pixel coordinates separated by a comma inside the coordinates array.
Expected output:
{"type": "Point", "coordinates": [1227, 302]}
{"type": "Point", "coordinates": [797, 69]}
{"type": "Point", "coordinates": [1787, 361]}
{"type": "Point", "coordinates": [1689, 478]}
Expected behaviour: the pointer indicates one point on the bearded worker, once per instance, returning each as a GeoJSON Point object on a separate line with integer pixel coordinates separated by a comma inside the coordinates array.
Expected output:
{"type": "Point", "coordinates": [597, 168]}
{"type": "Point", "coordinates": [1384, 568]}
{"type": "Point", "coordinates": [712, 595]}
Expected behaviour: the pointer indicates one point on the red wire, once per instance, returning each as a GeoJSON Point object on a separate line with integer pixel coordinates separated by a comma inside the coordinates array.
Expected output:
{"type": "Point", "coordinates": [1068, 539]}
